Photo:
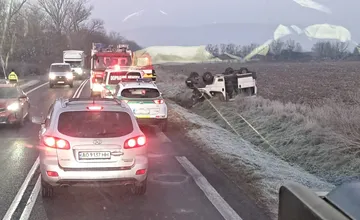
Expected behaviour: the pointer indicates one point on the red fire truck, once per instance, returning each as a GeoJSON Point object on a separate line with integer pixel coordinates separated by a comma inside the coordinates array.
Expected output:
{"type": "Point", "coordinates": [107, 57]}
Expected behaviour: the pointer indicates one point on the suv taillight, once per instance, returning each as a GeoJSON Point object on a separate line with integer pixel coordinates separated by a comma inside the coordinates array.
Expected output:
{"type": "Point", "coordinates": [55, 142]}
{"type": "Point", "coordinates": [135, 142]}
{"type": "Point", "coordinates": [159, 101]}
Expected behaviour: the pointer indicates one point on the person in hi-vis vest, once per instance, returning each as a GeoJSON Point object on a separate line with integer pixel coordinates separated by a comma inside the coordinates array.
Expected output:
{"type": "Point", "coordinates": [13, 77]}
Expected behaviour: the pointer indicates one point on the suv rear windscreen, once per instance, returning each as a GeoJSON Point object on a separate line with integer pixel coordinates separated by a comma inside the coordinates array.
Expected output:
{"type": "Point", "coordinates": [60, 68]}
{"type": "Point", "coordinates": [87, 124]}
{"type": "Point", "coordinates": [140, 93]}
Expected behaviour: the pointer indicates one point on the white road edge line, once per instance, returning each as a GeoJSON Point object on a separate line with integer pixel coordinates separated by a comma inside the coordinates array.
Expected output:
{"type": "Point", "coordinates": [31, 173]}
{"type": "Point", "coordinates": [20, 193]}
{"type": "Point", "coordinates": [38, 87]}
{"type": "Point", "coordinates": [220, 204]}
{"type": "Point", "coordinates": [31, 201]}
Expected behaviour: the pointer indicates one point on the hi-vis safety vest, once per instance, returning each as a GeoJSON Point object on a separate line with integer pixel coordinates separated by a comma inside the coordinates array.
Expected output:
{"type": "Point", "coordinates": [13, 76]}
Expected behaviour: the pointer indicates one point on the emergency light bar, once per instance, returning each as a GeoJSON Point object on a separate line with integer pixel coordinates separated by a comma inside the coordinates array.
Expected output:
{"type": "Point", "coordinates": [136, 80]}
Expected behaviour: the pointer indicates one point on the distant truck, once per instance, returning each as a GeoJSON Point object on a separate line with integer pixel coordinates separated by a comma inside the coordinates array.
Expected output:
{"type": "Point", "coordinates": [76, 59]}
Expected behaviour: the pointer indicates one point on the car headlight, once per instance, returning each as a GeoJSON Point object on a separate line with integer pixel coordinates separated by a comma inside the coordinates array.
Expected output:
{"type": "Point", "coordinates": [69, 75]}
{"type": "Point", "coordinates": [80, 71]}
{"type": "Point", "coordinates": [52, 76]}
{"type": "Point", "coordinates": [14, 106]}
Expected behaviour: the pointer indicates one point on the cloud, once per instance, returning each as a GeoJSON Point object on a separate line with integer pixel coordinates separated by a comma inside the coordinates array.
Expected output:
{"type": "Point", "coordinates": [162, 12]}
{"type": "Point", "coordinates": [313, 5]}
{"type": "Point", "coordinates": [138, 13]}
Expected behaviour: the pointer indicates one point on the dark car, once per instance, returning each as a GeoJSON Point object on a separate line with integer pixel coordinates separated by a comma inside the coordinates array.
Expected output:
{"type": "Point", "coordinates": [14, 105]}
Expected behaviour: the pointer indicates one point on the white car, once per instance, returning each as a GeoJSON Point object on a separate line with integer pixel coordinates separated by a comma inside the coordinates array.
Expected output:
{"type": "Point", "coordinates": [89, 141]}
{"type": "Point", "coordinates": [113, 77]}
{"type": "Point", "coordinates": [145, 100]}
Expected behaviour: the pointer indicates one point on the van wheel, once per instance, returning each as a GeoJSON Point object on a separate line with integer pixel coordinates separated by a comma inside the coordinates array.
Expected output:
{"type": "Point", "coordinates": [51, 85]}
{"type": "Point", "coordinates": [71, 85]}
{"type": "Point", "coordinates": [140, 189]}
{"type": "Point", "coordinates": [47, 191]}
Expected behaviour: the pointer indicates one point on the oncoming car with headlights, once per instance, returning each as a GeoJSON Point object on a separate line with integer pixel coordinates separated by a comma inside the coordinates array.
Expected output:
{"type": "Point", "coordinates": [91, 141]}
{"type": "Point", "coordinates": [145, 100]}
{"type": "Point", "coordinates": [14, 105]}
{"type": "Point", "coordinates": [61, 74]}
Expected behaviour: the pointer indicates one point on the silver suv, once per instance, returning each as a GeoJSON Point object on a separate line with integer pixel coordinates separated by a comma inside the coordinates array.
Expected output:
{"type": "Point", "coordinates": [91, 141]}
{"type": "Point", "coordinates": [61, 74]}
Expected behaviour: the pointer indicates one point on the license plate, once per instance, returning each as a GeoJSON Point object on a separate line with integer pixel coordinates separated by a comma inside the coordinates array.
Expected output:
{"type": "Point", "coordinates": [61, 82]}
{"type": "Point", "coordinates": [94, 155]}
{"type": "Point", "coordinates": [142, 111]}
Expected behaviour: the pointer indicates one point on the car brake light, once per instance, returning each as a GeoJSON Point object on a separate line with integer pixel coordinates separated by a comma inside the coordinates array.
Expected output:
{"type": "Point", "coordinates": [95, 108]}
{"type": "Point", "coordinates": [55, 142]}
{"type": "Point", "coordinates": [135, 142]}
{"type": "Point", "coordinates": [159, 101]}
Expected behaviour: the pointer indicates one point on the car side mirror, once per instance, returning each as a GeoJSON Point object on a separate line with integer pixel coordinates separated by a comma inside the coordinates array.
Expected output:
{"type": "Point", "coordinates": [38, 120]}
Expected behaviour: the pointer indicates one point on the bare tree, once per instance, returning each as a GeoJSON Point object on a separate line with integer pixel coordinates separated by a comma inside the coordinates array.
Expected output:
{"type": "Point", "coordinates": [290, 45]}
{"type": "Point", "coordinates": [95, 25]}
{"type": "Point", "coordinates": [335, 50]}
{"type": "Point", "coordinates": [277, 46]}
{"type": "Point", "coordinates": [58, 11]}
{"type": "Point", "coordinates": [79, 12]}
{"type": "Point", "coordinates": [298, 47]}
{"type": "Point", "coordinates": [12, 8]}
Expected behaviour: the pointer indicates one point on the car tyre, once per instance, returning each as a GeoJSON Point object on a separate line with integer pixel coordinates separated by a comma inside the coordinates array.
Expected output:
{"type": "Point", "coordinates": [140, 189]}
{"type": "Point", "coordinates": [47, 191]}
{"type": "Point", "coordinates": [71, 85]}
{"type": "Point", "coordinates": [51, 85]}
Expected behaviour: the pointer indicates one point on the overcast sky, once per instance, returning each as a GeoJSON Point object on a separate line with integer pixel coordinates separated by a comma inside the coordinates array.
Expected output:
{"type": "Point", "coordinates": [197, 12]}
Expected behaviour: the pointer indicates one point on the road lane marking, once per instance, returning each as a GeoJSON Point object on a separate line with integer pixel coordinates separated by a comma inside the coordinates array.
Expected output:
{"type": "Point", "coordinates": [163, 137]}
{"type": "Point", "coordinates": [81, 88]}
{"type": "Point", "coordinates": [31, 201]}
{"type": "Point", "coordinates": [38, 87]}
{"type": "Point", "coordinates": [77, 92]}
{"type": "Point", "coordinates": [220, 204]}
{"type": "Point", "coordinates": [21, 191]}
{"type": "Point", "coordinates": [28, 84]}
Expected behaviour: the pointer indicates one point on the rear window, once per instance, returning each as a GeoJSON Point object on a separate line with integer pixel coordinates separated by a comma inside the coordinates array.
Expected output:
{"type": "Point", "coordinates": [88, 124]}
{"type": "Point", "coordinates": [140, 93]}
{"type": "Point", "coordinates": [115, 77]}
{"type": "Point", "coordinates": [60, 68]}
{"type": "Point", "coordinates": [133, 75]}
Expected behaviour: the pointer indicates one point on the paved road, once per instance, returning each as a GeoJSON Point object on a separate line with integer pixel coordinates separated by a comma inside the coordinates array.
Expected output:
{"type": "Point", "coordinates": [182, 184]}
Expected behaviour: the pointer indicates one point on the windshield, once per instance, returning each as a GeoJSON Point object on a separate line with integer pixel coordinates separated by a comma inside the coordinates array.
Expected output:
{"type": "Point", "coordinates": [105, 62]}
{"type": "Point", "coordinates": [88, 124]}
{"type": "Point", "coordinates": [60, 68]}
{"type": "Point", "coordinates": [74, 64]}
{"type": "Point", "coordinates": [9, 93]}
{"type": "Point", "coordinates": [140, 93]}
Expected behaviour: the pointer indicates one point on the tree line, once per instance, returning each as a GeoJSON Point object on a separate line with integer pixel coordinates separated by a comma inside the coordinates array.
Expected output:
{"type": "Point", "coordinates": [290, 50]}
{"type": "Point", "coordinates": [33, 34]}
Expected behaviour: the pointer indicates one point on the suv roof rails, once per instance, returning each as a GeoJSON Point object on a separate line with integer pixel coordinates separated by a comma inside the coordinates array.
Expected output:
{"type": "Point", "coordinates": [65, 102]}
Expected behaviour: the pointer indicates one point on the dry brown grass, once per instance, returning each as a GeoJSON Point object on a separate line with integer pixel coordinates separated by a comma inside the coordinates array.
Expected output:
{"type": "Point", "coordinates": [309, 112]}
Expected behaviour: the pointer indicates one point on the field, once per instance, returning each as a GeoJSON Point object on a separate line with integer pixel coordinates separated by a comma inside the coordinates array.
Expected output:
{"type": "Point", "coordinates": [306, 114]}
